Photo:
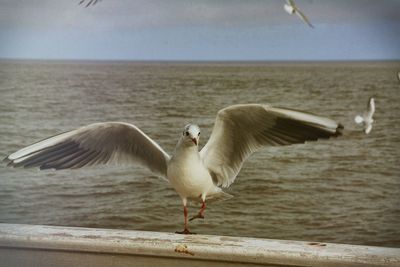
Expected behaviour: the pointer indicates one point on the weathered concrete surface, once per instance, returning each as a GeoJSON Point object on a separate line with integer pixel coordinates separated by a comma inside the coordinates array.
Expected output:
{"type": "Point", "coordinates": [36, 245]}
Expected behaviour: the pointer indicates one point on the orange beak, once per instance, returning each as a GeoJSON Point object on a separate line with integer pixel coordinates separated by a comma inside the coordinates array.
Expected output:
{"type": "Point", "coordinates": [194, 141]}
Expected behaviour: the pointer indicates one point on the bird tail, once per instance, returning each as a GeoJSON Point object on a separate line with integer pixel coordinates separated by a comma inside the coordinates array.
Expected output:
{"type": "Point", "coordinates": [358, 119]}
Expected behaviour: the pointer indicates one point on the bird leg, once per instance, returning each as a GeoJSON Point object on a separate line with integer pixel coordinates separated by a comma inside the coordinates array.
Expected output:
{"type": "Point", "coordinates": [186, 230]}
{"type": "Point", "coordinates": [200, 215]}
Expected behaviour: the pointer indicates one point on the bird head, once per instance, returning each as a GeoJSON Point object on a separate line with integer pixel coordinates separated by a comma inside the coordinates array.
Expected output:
{"type": "Point", "coordinates": [191, 134]}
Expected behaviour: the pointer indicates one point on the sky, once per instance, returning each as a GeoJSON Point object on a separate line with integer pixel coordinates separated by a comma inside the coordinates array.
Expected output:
{"type": "Point", "coordinates": [200, 30]}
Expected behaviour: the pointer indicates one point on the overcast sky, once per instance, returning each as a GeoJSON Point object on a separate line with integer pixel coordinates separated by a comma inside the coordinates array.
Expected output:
{"type": "Point", "coordinates": [199, 30]}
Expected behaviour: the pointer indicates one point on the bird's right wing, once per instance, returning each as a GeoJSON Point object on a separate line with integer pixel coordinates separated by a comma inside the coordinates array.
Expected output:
{"type": "Point", "coordinates": [303, 17]}
{"type": "Point", "coordinates": [98, 143]}
{"type": "Point", "coordinates": [240, 130]}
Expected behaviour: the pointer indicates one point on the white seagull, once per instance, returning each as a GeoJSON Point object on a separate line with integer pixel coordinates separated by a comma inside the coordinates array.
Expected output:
{"type": "Point", "coordinates": [239, 131]}
{"type": "Point", "coordinates": [291, 8]}
{"type": "Point", "coordinates": [366, 119]}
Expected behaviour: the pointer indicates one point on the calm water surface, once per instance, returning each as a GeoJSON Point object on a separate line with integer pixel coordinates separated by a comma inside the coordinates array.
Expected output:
{"type": "Point", "coordinates": [345, 190]}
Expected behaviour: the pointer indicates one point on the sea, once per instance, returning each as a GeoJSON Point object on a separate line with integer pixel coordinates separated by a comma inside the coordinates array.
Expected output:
{"type": "Point", "coordinates": [343, 190]}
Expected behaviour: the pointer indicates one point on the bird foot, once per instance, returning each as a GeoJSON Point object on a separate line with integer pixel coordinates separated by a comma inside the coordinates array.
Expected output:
{"type": "Point", "coordinates": [198, 216]}
{"type": "Point", "coordinates": [185, 232]}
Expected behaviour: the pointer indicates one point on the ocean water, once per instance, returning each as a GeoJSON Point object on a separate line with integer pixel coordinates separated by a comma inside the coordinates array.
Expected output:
{"type": "Point", "coordinates": [344, 190]}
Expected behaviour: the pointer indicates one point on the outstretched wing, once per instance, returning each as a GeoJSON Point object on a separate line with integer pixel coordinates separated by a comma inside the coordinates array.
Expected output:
{"type": "Point", "coordinates": [291, 3]}
{"type": "Point", "coordinates": [240, 130]}
{"type": "Point", "coordinates": [303, 17]}
{"type": "Point", "coordinates": [371, 107]}
{"type": "Point", "coordinates": [98, 143]}
{"type": "Point", "coordinates": [368, 127]}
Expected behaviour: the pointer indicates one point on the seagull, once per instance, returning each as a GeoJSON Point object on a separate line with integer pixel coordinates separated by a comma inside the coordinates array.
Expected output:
{"type": "Point", "coordinates": [366, 119]}
{"type": "Point", "coordinates": [291, 8]}
{"type": "Point", "coordinates": [239, 130]}
{"type": "Point", "coordinates": [398, 76]}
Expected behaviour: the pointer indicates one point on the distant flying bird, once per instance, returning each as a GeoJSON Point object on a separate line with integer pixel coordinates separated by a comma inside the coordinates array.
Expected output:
{"type": "Point", "coordinates": [398, 76]}
{"type": "Point", "coordinates": [239, 130]}
{"type": "Point", "coordinates": [89, 2]}
{"type": "Point", "coordinates": [291, 8]}
{"type": "Point", "coordinates": [366, 119]}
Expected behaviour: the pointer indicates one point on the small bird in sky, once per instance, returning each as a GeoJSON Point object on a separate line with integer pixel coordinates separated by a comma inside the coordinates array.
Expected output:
{"type": "Point", "coordinates": [239, 131]}
{"type": "Point", "coordinates": [291, 8]}
{"type": "Point", "coordinates": [89, 2]}
{"type": "Point", "coordinates": [366, 119]}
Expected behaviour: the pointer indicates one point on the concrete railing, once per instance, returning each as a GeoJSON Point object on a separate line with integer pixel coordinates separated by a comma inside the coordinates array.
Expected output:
{"type": "Point", "coordinates": [36, 245]}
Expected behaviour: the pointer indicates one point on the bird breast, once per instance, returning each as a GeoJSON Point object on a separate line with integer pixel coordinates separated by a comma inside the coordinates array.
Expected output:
{"type": "Point", "coordinates": [188, 175]}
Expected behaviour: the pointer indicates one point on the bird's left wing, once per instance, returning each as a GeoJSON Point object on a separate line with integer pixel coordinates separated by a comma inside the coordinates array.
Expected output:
{"type": "Point", "coordinates": [240, 130]}
{"type": "Point", "coordinates": [98, 143]}
{"type": "Point", "coordinates": [371, 107]}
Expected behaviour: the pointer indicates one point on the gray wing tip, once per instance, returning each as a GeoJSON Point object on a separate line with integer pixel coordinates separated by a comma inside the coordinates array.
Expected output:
{"type": "Point", "coordinates": [339, 130]}
{"type": "Point", "coordinates": [9, 162]}
{"type": "Point", "coordinates": [6, 160]}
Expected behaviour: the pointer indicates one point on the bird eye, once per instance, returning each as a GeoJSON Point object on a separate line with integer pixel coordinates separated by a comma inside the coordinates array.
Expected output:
{"type": "Point", "coordinates": [199, 134]}
{"type": "Point", "coordinates": [187, 133]}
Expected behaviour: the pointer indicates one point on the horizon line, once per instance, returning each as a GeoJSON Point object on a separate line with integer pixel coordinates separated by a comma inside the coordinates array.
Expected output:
{"type": "Point", "coordinates": [200, 60]}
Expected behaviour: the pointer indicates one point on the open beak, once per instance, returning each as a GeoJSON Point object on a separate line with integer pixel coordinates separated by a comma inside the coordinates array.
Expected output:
{"type": "Point", "coordinates": [194, 141]}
